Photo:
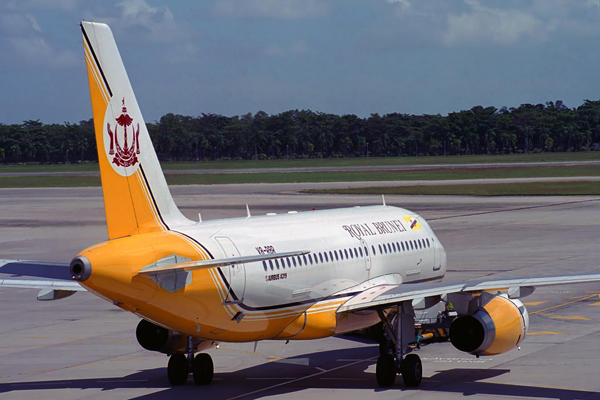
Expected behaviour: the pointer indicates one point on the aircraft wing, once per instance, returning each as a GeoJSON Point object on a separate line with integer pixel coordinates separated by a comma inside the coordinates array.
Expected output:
{"type": "Point", "coordinates": [52, 278]}
{"type": "Point", "coordinates": [430, 293]}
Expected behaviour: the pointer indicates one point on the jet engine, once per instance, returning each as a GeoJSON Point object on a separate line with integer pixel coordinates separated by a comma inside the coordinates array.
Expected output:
{"type": "Point", "coordinates": [497, 326]}
{"type": "Point", "coordinates": [156, 338]}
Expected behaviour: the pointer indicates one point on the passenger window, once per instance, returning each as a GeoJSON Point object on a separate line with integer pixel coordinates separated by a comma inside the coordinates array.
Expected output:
{"type": "Point", "coordinates": [403, 249]}
{"type": "Point", "coordinates": [336, 255]}
{"type": "Point", "coordinates": [373, 248]}
{"type": "Point", "coordinates": [389, 248]}
{"type": "Point", "coordinates": [384, 248]}
{"type": "Point", "coordinates": [321, 257]}
{"type": "Point", "coordinates": [380, 251]}
{"type": "Point", "coordinates": [420, 243]}
{"type": "Point", "coordinates": [277, 263]}
{"type": "Point", "coordinates": [305, 263]}
{"type": "Point", "coordinates": [289, 263]}
{"type": "Point", "coordinates": [331, 256]}
{"type": "Point", "coordinates": [265, 265]}
{"type": "Point", "coordinates": [346, 253]}
{"type": "Point", "coordinates": [294, 261]}
{"type": "Point", "coordinates": [310, 259]}
{"type": "Point", "coordinates": [394, 246]}
{"type": "Point", "coordinates": [428, 245]}
{"type": "Point", "coordinates": [360, 251]}
{"type": "Point", "coordinates": [355, 252]}
{"type": "Point", "coordinates": [366, 251]}
{"type": "Point", "coordinates": [411, 244]}
{"type": "Point", "coordinates": [271, 264]}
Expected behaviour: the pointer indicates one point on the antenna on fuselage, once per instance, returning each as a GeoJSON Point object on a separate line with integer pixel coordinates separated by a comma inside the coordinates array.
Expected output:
{"type": "Point", "coordinates": [383, 198]}
{"type": "Point", "coordinates": [248, 210]}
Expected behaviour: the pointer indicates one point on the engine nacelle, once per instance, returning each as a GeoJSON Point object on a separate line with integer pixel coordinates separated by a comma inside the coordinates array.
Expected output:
{"type": "Point", "coordinates": [499, 325]}
{"type": "Point", "coordinates": [156, 338]}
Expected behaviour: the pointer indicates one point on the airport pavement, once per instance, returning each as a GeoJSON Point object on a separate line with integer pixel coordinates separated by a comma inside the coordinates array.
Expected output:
{"type": "Point", "coordinates": [82, 347]}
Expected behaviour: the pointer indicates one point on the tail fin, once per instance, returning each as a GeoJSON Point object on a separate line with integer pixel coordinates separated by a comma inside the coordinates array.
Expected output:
{"type": "Point", "coordinates": [136, 195]}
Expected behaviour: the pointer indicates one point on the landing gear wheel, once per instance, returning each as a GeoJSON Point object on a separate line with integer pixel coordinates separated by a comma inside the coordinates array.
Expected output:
{"type": "Point", "coordinates": [385, 371]}
{"type": "Point", "coordinates": [178, 369]}
{"type": "Point", "coordinates": [202, 368]}
{"type": "Point", "coordinates": [412, 370]}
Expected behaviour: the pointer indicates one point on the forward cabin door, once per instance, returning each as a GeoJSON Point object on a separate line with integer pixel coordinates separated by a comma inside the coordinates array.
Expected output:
{"type": "Point", "coordinates": [235, 274]}
{"type": "Point", "coordinates": [367, 256]}
{"type": "Point", "coordinates": [437, 259]}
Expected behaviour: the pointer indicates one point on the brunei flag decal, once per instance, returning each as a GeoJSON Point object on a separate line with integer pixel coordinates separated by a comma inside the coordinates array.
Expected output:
{"type": "Point", "coordinates": [412, 223]}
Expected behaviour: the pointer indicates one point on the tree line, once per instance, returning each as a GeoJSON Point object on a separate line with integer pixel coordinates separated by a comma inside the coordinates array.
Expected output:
{"type": "Point", "coordinates": [550, 127]}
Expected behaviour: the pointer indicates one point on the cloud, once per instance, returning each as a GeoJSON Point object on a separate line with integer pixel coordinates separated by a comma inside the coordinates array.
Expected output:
{"type": "Point", "coordinates": [533, 21]}
{"type": "Point", "coordinates": [39, 5]}
{"type": "Point", "coordinates": [25, 44]}
{"type": "Point", "coordinates": [283, 9]}
{"type": "Point", "coordinates": [484, 24]}
{"type": "Point", "coordinates": [141, 21]}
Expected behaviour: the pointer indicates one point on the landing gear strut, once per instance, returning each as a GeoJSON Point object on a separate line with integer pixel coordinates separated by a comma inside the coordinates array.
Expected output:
{"type": "Point", "coordinates": [399, 330]}
{"type": "Point", "coordinates": [180, 366]}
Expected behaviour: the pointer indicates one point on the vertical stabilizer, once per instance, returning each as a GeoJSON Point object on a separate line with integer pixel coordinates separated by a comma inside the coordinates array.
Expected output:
{"type": "Point", "coordinates": [136, 195]}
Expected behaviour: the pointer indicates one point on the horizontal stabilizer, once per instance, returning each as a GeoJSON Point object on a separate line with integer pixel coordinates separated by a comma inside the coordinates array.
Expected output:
{"type": "Point", "coordinates": [44, 284]}
{"type": "Point", "coordinates": [205, 264]}
{"type": "Point", "coordinates": [41, 269]}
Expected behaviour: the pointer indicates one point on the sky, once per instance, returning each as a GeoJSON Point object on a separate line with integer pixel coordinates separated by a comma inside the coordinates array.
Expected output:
{"type": "Point", "coordinates": [232, 57]}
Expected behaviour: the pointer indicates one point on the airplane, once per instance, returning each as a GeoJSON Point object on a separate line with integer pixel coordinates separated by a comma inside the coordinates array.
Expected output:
{"type": "Point", "coordinates": [293, 276]}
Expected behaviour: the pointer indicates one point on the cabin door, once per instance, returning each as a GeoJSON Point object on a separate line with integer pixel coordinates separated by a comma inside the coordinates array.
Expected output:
{"type": "Point", "coordinates": [235, 274]}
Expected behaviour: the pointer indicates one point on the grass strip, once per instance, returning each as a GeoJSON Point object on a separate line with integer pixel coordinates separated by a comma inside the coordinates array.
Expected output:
{"type": "Point", "coordinates": [500, 189]}
{"type": "Point", "coordinates": [324, 176]}
{"type": "Point", "coordinates": [324, 162]}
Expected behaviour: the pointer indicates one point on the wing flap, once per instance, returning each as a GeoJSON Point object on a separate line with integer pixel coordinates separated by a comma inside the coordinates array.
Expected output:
{"type": "Point", "coordinates": [390, 295]}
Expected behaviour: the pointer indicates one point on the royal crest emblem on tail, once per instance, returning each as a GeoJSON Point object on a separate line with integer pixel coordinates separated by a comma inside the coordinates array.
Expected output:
{"type": "Point", "coordinates": [126, 155]}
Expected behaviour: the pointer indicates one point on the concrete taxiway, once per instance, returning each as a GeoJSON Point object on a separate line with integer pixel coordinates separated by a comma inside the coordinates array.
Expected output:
{"type": "Point", "coordinates": [83, 347]}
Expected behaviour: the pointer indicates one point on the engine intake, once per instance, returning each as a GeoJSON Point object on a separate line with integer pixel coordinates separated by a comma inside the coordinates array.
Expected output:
{"type": "Point", "coordinates": [498, 326]}
{"type": "Point", "coordinates": [156, 338]}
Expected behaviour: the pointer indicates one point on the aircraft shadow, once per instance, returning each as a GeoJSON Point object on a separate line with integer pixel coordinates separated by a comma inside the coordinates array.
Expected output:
{"type": "Point", "coordinates": [306, 372]}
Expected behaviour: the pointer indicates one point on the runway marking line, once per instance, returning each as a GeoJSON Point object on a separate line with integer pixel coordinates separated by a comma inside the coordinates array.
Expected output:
{"type": "Point", "coordinates": [249, 352]}
{"type": "Point", "coordinates": [83, 365]}
{"type": "Point", "coordinates": [128, 358]}
{"type": "Point", "coordinates": [35, 372]}
{"type": "Point", "coordinates": [535, 303]}
{"type": "Point", "coordinates": [544, 333]}
{"type": "Point", "coordinates": [569, 317]}
{"type": "Point", "coordinates": [564, 304]}
{"type": "Point", "coordinates": [301, 379]}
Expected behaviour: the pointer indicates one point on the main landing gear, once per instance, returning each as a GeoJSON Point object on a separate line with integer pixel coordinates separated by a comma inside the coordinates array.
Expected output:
{"type": "Point", "coordinates": [179, 367]}
{"type": "Point", "coordinates": [399, 326]}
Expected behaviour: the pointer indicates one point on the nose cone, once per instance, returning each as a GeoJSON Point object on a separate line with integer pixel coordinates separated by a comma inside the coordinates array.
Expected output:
{"type": "Point", "coordinates": [81, 268]}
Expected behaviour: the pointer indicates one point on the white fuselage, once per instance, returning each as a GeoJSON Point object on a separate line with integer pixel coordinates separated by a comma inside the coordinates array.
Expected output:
{"type": "Point", "coordinates": [347, 248]}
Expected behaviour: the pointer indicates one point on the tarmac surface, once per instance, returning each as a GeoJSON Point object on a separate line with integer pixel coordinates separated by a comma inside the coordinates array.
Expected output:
{"type": "Point", "coordinates": [82, 347]}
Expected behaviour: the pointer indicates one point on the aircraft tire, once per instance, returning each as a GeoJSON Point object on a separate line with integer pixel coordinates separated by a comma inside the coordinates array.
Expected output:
{"type": "Point", "coordinates": [412, 370]}
{"type": "Point", "coordinates": [203, 369]}
{"type": "Point", "coordinates": [385, 370]}
{"type": "Point", "coordinates": [178, 369]}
